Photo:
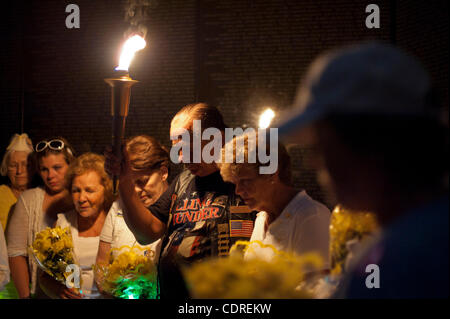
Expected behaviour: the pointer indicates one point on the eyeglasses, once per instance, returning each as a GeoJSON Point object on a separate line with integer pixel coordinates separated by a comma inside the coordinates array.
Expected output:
{"type": "Point", "coordinates": [16, 166]}
{"type": "Point", "coordinates": [56, 145]}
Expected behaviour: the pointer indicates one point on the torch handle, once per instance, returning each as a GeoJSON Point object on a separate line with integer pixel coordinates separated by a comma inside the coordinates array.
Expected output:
{"type": "Point", "coordinates": [118, 133]}
{"type": "Point", "coordinates": [120, 100]}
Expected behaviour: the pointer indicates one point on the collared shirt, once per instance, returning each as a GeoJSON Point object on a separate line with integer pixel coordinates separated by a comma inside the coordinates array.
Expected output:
{"type": "Point", "coordinates": [302, 227]}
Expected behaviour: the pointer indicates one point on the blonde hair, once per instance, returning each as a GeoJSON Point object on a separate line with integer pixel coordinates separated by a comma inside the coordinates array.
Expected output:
{"type": "Point", "coordinates": [235, 168]}
{"type": "Point", "coordinates": [91, 162]}
{"type": "Point", "coordinates": [18, 143]}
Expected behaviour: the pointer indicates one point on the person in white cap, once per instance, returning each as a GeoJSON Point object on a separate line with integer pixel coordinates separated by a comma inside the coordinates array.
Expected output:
{"type": "Point", "coordinates": [370, 111]}
{"type": "Point", "coordinates": [16, 166]}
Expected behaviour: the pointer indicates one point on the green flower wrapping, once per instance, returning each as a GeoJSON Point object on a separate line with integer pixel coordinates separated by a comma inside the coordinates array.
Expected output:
{"type": "Point", "coordinates": [130, 275]}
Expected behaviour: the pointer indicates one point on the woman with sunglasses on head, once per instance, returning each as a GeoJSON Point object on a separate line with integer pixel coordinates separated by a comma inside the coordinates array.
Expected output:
{"type": "Point", "coordinates": [37, 209]}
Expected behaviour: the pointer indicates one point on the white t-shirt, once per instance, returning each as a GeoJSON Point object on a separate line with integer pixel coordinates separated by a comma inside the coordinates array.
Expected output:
{"type": "Point", "coordinates": [116, 232]}
{"type": "Point", "coordinates": [85, 249]}
{"type": "Point", "coordinates": [302, 227]}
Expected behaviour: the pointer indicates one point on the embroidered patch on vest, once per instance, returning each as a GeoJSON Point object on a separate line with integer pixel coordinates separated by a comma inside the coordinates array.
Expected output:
{"type": "Point", "coordinates": [241, 228]}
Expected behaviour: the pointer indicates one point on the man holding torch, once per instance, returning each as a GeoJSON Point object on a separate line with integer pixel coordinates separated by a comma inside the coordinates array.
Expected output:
{"type": "Point", "coordinates": [195, 212]}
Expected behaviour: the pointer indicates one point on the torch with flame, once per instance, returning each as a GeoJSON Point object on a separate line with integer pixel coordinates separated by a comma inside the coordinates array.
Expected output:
{"type": "Point", "coordinates": [120, 93]}
{"type": "Point", "coordinates": [266, 118]}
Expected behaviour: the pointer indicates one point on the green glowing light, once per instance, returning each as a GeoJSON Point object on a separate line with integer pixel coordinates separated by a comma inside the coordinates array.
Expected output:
{"type": "Point", "coordinates": [141, 287]}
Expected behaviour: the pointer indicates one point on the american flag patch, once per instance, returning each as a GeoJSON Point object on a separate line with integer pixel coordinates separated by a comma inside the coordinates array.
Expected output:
{"type": "Point", "coordinates": [241, 228]}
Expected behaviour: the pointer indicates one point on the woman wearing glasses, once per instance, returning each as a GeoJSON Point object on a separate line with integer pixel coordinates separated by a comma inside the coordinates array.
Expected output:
{"type": "Point", "coordinates": [36, 209]}
{"type": "Point", "coordinates": [91, 192]}
{"type": "Point", "coordinates": [16, 166]}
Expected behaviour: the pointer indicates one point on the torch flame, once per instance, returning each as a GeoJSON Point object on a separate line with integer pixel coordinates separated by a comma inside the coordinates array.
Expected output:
{"type": "Point", "coordinates": [130, 47]}
{"type": "Point", "coordinates": [265, 118]}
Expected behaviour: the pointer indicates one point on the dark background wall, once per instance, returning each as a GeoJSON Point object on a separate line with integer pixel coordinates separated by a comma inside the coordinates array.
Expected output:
{"type": "Point", "coordinates": [240, 55]}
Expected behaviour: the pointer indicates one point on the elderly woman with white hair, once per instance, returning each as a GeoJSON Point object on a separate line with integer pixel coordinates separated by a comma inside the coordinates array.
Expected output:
{"type": "Point", "coordinates": [288, 219]}
{"type": "Point", "coordinates": [16, 166]}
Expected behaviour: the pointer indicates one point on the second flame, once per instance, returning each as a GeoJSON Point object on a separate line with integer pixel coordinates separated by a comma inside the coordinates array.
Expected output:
{"type": "Point", "coordinates": [265, 118]}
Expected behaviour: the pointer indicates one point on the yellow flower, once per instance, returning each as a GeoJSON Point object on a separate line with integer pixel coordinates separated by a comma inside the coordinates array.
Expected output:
{"type": "Point", "coordinates": [128, 269]}
{"type": "Point", "coordinates": [346, 225]}
{"type": "Point", "coordinates": [236, 277]}
{"type": "Point", "coordinates": [53, 247]}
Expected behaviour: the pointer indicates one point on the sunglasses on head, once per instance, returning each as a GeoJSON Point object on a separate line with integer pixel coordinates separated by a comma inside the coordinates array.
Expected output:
{"type": "Point", "coordinates": [56, 145]}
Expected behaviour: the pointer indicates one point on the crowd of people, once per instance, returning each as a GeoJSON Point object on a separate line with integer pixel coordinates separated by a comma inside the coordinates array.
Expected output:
{"type": "Point", "coordinates": [369, 111]}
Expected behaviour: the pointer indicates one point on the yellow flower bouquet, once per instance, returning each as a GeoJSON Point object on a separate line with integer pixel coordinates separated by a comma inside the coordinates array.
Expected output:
{"type": "Point", "coordinates": [346, 226]}
{"type": "Point", "coordinates": [130, 275]}
{"type": "Point", "coordinates": [52, 250]}
{"type": "Point", "coordinates": [234, 277]}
